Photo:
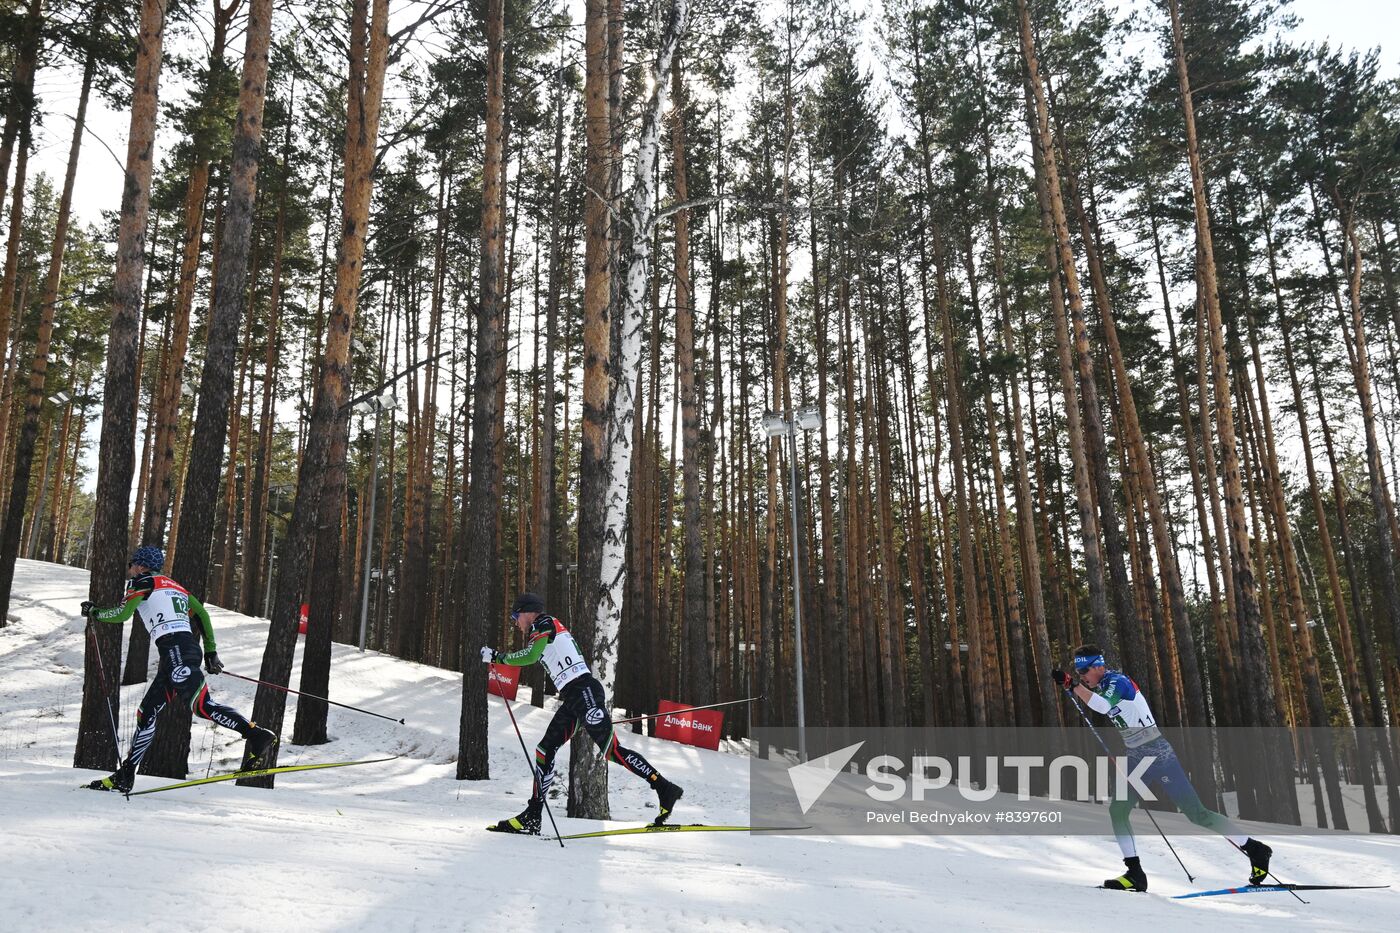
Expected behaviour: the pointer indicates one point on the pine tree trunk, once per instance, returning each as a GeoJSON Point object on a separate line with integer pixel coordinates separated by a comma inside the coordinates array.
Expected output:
{"type": "Point", "coordinates": [1260, 708]}
{"type": "Point", "coordinates": [483, 574]}
{"type": "Point", "coordinates": [1352, 681]}
{"type": "Point", "coordinates": [168, 392]}
{"type": "Point", "coordinates": [700, 671]}
{"type": "Point", "coordinates": [1020, 692]}
{"type": "Point", "coordinates": [215, 416]}
{"type": "Point", "coordinates": [952, 393]}
{"type": "Point", "coordinates": [368, 57]}
{"type": "Point", "coordinates": [255, 563]}
{"type": "Point", "coordinates": [1047, 188]}
{"type": "Point", "coordinates": [116, 453]}
{"type": "Point", "coordinates": [23, 457]}
{"type": "Point", "coordinates": [585, 773]}
{"type": "Point", "coordinates": [1051, 707]}
{"type": "Point", "coordinates": [1141, 467]}
{"type": "Point", "coordinates": [226, 311]}
{"type": "Point", "coordinates": [1361, 375]}
{"type": "Point", "coordinates": [19, 116]}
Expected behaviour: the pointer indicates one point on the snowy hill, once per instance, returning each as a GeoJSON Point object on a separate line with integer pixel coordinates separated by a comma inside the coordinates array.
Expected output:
{"type": "Point", "coordinates": [401, 846]}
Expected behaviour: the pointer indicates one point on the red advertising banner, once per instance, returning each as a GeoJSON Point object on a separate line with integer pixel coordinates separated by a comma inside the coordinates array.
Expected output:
{"type": "Point", "coordinates": [503, 680]}
{"type": "Point", "coordinates": [301, 619]}
{"type": "Point", "coordinates": [699, 727]}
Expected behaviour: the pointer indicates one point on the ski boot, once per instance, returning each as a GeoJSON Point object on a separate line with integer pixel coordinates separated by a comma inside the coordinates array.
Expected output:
{"type": "Point", "coordinates": [260, 741]}
{"type": "Point", "coordinates": [119, 781]}
{"type": "Point", "coordinates": [1134, 879]}
{"type": "Point", "coordinates": [666, 796]}
{"type": "Point", "coordinates": [526, 824]}
{"type": "Point", "coordinates": [1258, 860]}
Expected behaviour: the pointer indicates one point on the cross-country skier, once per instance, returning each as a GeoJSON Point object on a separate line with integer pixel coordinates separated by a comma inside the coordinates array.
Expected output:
{"type": "Point", "coordinates": [1115, 695]}
{"type": "Point", "coordinates": [581, 699]}
{"type": "Point", "coordinates": [168, 610]}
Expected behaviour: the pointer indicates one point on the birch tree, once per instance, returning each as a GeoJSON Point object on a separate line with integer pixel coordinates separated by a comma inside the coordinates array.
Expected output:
{"type": "Point", "coordinates": [642, 218]}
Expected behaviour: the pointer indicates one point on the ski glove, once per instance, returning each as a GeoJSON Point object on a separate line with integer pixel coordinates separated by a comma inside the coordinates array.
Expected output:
{"type": "Point", "coordinates": [489, 655]}
{"type": "Point", "coordinates": [212, 664]}
{"type": "Point", "coordinates": [87, 608]}
{"type": "Point", "coordinates": [1062, 679]}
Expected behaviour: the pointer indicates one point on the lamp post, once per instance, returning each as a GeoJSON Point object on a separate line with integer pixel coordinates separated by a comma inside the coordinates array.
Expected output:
{"type": "Point", "coordinates": [380, 404]}
{"type": "Point", "coordinates": [746, 653]}
{"type": "Point", "coordinates": [775, 425]}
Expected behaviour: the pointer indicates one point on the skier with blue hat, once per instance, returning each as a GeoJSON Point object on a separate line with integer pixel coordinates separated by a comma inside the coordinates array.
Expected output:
{"type": "Point", "coordinates": [1115, 695]}
{"type": "Point", "coordinates": [170, 614]}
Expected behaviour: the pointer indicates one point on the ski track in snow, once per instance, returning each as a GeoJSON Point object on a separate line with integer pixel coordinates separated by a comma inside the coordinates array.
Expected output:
{"type": "Point", "coordinates": [401, 845]}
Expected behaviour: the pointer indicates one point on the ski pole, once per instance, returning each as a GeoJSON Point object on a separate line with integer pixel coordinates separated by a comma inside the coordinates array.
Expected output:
{"type": "Point", "coordinates": [106, 696]}
{"type": "Point", "coordinates": [688, 709]}
{"type": "Point", "coordinates": [266, 683]}
{"type": "Point", "coordinates": [1085, 716]}
{"type": "Point", "coordinates": [533, 774]}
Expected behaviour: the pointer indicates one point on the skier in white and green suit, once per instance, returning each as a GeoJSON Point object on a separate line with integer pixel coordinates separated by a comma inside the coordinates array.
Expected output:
{"type": "Point", "coordinates": [580, 699]}
{"type": "Point", "coordinates": [1115, 695]}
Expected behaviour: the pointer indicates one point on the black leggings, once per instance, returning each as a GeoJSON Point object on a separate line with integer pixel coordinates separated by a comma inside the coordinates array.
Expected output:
{"type": "Point", "coordinates": [582, 700]}
{"type": "Point", "coordinates": [179, 676]}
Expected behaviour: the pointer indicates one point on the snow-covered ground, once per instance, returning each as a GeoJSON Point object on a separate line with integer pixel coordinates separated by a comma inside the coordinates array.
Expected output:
{"type": "Point", "coordinates": [401, 846]}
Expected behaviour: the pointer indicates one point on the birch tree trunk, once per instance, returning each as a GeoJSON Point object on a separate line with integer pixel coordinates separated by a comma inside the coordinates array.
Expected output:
{"type": "Point", "coordinates": [642, 218]}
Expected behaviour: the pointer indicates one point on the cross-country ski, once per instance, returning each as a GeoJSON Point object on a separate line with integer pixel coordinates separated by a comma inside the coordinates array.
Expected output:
{"type": "Point", "coordinates": [256, 772]}
{"type": "Point", "coordinates": [1281, 889]}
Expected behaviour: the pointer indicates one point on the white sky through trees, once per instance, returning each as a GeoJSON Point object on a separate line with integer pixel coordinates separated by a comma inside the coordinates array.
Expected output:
{"type": "Point", "coordinates": [1346, 23]}
{"type": "Point", "coordinates": [1349, 23]}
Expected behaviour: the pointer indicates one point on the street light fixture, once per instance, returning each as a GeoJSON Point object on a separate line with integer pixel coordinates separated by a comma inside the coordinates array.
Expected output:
{"type": "Point", "coordinates": [775, 425]}
{"type": "Point", "coordinates": [380, 404]}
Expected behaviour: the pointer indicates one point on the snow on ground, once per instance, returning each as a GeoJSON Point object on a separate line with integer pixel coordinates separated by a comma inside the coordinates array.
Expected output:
{"type": "Point", "coordinates": [401, 845]}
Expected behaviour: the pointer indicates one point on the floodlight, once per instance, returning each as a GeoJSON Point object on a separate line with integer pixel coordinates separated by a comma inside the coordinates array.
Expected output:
{"type": "Point", "coordinates": [774, 425]}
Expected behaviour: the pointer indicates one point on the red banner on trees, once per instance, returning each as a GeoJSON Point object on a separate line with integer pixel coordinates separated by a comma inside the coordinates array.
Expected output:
{"type": "Point", "coordinates": [503, 680]}
{"type": "Point", "coordinates": [701, 727]}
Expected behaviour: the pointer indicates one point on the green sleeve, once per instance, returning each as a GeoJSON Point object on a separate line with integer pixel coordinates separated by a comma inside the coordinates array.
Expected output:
{"type": "Point", "coordinates": [119, 614]}
{"type": "Point", "coordinates": [526, 656]}
{"type": "Point", "coordinates": [201, 614]}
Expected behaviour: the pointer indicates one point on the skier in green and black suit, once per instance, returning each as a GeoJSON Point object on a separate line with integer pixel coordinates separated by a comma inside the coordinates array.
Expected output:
{"type": "Point", "coordinates": [580, 699]}
{"type": "Point", "coordinates": [171, 614]}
